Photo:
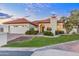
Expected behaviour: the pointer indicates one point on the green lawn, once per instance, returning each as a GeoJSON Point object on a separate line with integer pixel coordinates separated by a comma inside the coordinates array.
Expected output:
{"type": "Point", "coordinates": [43, 41]}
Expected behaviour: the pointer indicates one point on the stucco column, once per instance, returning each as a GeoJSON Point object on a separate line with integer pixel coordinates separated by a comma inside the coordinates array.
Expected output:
{"type": "Point", "coordinates": [53, 21]}
{"type": "Point", "coordinates": [3, 38]}
{"type": "Point", "coordinates": [39, 28]}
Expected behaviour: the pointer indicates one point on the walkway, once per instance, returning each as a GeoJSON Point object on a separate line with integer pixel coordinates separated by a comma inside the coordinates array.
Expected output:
{"type": "Point", "coordinates": [62, 49]}
{"type": "Point", "coordinates": [54, 52]}
{"type": "Point", "coordinates": [18, 37]}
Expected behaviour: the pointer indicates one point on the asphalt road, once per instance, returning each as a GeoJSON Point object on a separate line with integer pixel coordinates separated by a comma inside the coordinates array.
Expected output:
{"type": "Point", "coordinates": [15, 53]}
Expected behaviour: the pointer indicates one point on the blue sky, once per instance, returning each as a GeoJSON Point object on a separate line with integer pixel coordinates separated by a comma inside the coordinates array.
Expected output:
{"type": "Point", "coordinates": [35, 11]}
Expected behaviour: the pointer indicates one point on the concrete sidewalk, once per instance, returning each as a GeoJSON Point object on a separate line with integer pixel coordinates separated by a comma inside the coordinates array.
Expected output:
{"type": "Point", "coordinates": [36, 52]}
{"type": "Point", "coordinates": [54, 52]}
{"type": "Point", "coordinates": [18, 49]}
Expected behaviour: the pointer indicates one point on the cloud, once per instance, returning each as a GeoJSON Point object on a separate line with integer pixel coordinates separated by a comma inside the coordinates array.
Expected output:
{"type": "Point", "coordinates": [34, 8]}
{"type": "Point", "coordinates": [53, 12]}
{"type": "Point", "coordinates": [4, 16]}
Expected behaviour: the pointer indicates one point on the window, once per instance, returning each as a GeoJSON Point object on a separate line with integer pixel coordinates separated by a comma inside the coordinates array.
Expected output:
{"type": "Point", "coordinates": [15, 26]}
{"type": "Point", "coordinates": [1, 29]}
{"type": "Point", "coordinates": [23, 26]}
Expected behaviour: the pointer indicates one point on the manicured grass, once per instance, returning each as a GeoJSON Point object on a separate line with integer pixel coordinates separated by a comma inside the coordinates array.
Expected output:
{"type": "Point", "coordinates": [43, 41]}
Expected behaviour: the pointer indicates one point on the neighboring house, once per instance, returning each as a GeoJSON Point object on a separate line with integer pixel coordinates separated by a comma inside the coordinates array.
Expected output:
{"type": "Point", "coordinates": [19, 25]}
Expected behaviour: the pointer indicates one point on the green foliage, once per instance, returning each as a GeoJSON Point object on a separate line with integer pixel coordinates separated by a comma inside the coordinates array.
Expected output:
{"type": "Point", "coordinates": [68, 26]}
{"type": "Point", "coordinates": [31, 31]}
{"type": "Point", "coordinates": [48, 33]}
{"type": "Point", "coordinates": [72, 20]}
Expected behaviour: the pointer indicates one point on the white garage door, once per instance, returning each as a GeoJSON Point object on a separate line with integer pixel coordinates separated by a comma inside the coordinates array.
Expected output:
{"type": "Point", "coordinates": [18, 29]}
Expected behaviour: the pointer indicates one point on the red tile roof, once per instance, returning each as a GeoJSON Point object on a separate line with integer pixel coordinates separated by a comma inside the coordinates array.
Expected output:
{"type": "Point", "coordinates": [41, 21]}
{"type": "Point", "coordinates": [24, 21]}
{"type": "Point", "coordinates": [18, 21]}
{"type": "Point", "coordinates": [45, 21]}
{"type": "Point", "coordinates": [36, 23]}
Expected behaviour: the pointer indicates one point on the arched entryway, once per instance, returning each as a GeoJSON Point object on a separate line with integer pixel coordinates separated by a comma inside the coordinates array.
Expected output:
{"type": "Point", "coordinates": [41, 27]}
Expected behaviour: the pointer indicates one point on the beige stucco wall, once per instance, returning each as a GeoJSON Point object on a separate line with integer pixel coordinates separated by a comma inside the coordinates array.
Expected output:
{"type": "Point", "coordinates": [60, 26]}
{"type": "Point", "coordinates": [46, 25]}
{"type": "Point", "coordinates": [3, 39]}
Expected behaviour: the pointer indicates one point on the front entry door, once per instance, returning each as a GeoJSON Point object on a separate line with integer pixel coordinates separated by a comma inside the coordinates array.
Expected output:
{"type": "Point", "coordinates": [41, 28]}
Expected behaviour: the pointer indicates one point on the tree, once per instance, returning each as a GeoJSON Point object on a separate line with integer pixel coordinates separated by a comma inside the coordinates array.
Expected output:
{"type": "Point", "coordinates": [74, 17]}
{"type": "Point", "coordinates": [63, 18]}
{"type": "Point", "coordinates": [72, 20]}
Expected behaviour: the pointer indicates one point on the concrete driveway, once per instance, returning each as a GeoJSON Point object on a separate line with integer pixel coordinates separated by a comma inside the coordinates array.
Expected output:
{"type": "Point", "coordinates": [18, 37]}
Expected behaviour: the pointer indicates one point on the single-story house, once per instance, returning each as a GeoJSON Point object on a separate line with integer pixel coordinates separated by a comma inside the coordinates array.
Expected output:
{"type": "Point", "coordinates": [19, 25]}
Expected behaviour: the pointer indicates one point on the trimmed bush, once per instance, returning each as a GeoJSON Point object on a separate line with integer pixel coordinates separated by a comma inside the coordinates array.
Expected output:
{"type": "Point", "coordinates": [48, 33]}
{"type": "Point", "coordinates": [31, 31]}
{"type": "Point", "coordinates": [59, 32]}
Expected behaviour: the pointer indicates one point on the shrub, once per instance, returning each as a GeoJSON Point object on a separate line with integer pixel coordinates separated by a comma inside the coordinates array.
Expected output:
{"type": "Point", "coordinates": [31, 31]}
{"type": "Point", "coordinates": [59, 32]}
{"type": "Point", "coordinates": [48, 33]}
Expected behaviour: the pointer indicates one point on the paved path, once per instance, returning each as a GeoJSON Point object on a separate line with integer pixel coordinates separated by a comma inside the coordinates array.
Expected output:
{"type": "Point", "coordinates": [62, 49]}
{"type": "Point", "coordinates": [18, 37]}
{"type": "Point", "coordinates": [21, 38]}
{"type": "Point", "coordinates": [18, 49]}
{"type": "Point", "coordinates": [12, 36]}
{"type": "Point", "coordinates": [54, 52]}
{"type": "Point", "coordinates": [72, 46]}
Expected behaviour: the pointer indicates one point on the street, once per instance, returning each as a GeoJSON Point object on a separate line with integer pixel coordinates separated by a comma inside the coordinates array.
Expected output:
{"type": "Point", "coordinates": [15, 53]}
